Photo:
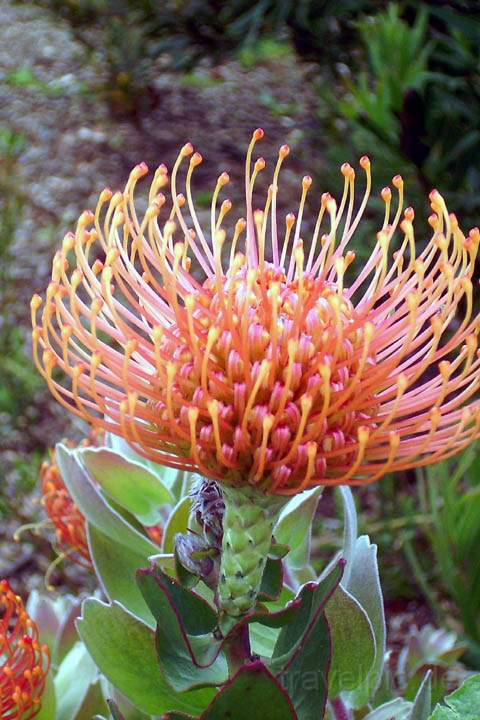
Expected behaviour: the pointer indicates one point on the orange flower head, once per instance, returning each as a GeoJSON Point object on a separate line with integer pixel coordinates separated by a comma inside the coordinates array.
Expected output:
{"type": "Point", "coordinates": [24, 663]}
{"type": "Point", "coordinates": [263, 360]}
{"type": "Point", "coordinates": [68, 520]}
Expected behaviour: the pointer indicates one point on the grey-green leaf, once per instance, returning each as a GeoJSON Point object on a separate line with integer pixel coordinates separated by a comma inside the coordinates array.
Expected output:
{"type": "Point", "coordinates": [350, 529]}
{"type": "Point", "coordinates": [96, 508]}
{"type": "Point", "coordinates": [422, 704]}
{"type": "Point", "coordinates": [463, 704]}
{"type": "Point", "coordinates": [177, 523]}
{"type": "Point", "coordinates": [397, 709]}
{"type": "Point", "coordinates": [124, 650]}
{"type": "Point", "coordinates": [116, 566]}
{"type": "Point", "coordinates": [75, 676]}
{"type": "Point", "coordinates": [132, 485]}
{"type": "Point", "coordinates": [294, 527]}
{"type": "Point", "coordinates": [364, 585]}
{"type": "Point", "coordinates": [353, 642]}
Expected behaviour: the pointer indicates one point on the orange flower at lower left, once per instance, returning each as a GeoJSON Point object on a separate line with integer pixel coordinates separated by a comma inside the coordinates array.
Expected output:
{"type": "Point", "coordinates": [24, 662]}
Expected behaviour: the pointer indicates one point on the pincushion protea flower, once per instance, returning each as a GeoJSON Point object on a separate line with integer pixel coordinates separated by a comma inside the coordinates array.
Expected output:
{"type": "Point", "coordinates": [276, 372]}
{"type": "Point", "coordinates": [24, 663]}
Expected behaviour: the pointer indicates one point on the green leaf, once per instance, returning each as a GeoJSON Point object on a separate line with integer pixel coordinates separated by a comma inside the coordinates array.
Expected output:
{"type": "Point", "coordinates": [176, 481]}
{"type": "Point", "coordinates": [253, 694]}
{"type": "Point", "coordinates": [294, 527]}
{"type": "Point", "coordinates": [49, 701]}
{"type": "Point", "coordinates": [364, 585]}
{"type": "Point", "coordinates": [188, 654]}
{"type": "Point", "coordinates": [177, 523]}
{"type": "Point", "coordinates": [196, 614]}
{"type": "Point", "coordinates": [116, 714]}
{"type": "Point", "coordinates": [116, 567]}
{"type": "Point", "coordinates": [129, 711]}
{"type": "Point", "coordinates": [42, 609]}
{"type": "Point", "coordinates": [422, 704]}
{"type": "Point", "coordinates": [302, 653]}
{"type": "Point", "coordinates": [132, 485]}
{"type": "Point", "coordinates": [94, 702]}
{"type": "Point", "coordinates": [272, 580]}
{"type": "Point", "coordinates": [353, 643]}
{"type": "Point", "coordinates": [397, 709]}
{"type": "Point", "coordinates": [68, 634]}
{"type": "Point", "coordinates": [124, 650]}
{"type": "Point", "coordinates": [73, 680]}
{"type": "Point", "coordinates": [463, 704]}
{"type": "Point", "coordinates": [263, 638]}
{"type": "Point", "coordinates": [54, 617]}
{"type": "Point", "coordinates": [350, 529]}
{"type": "Point", "coordinates": [278, 551]}
{"type": "Point", "coordinates": [96, 508]}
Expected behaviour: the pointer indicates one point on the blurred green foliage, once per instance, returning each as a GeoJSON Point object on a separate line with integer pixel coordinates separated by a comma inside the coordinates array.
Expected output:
{"type": "Point", "coordinates": [19, 380]}
{"type": "Point", "coordinates": [449, 495]}
{"type": "Point", "coordinates": [426, 524]}
{"type": "Point", "coordinates": [412, 100]}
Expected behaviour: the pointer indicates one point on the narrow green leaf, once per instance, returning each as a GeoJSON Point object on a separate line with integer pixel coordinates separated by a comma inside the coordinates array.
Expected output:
{"type": "Point", "coordinates": [350, 529]}
{"type": "Point", "coordinates": [272, 580]}
{"type": "Point", "coordinates": [353, 642]}
{"type": "Point", "coordinates": [422, 704]}
{"type": "Point", "coordinates": [96, 508]}
{"type": "Point", "coordinates": [314, 597]}
{"type": "Point", "coordinates": [177, 523]}
{"type": "Point", "coordinates": [197, 615]}
{"type": "Point", "coordinates": [73, 680]}
{"type": "Point", "coordinates": [124, 650]}
{"type": "Point", "coordinates": [132, 485]}
{"type": "Point", "coordinates": [364, 585]}
{"type": "Point", "coordinates": [94, 702]}
{"type": "Point", "coordinates": [68, 635]}
{"type": "Point", "coordinates": [294, 527]}
{"type": "Point", "coordinates": [397, 709]}
{"type": "Point", "coordinates": [116, 567]}
{"type": "Point", "coordinates": [49, 701]}
{"type": "Point", "coordinates": [305, 678]}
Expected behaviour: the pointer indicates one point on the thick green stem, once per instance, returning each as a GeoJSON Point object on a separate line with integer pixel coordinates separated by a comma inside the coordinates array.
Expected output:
{"type": "Point", "coordinates": [247, 538]}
